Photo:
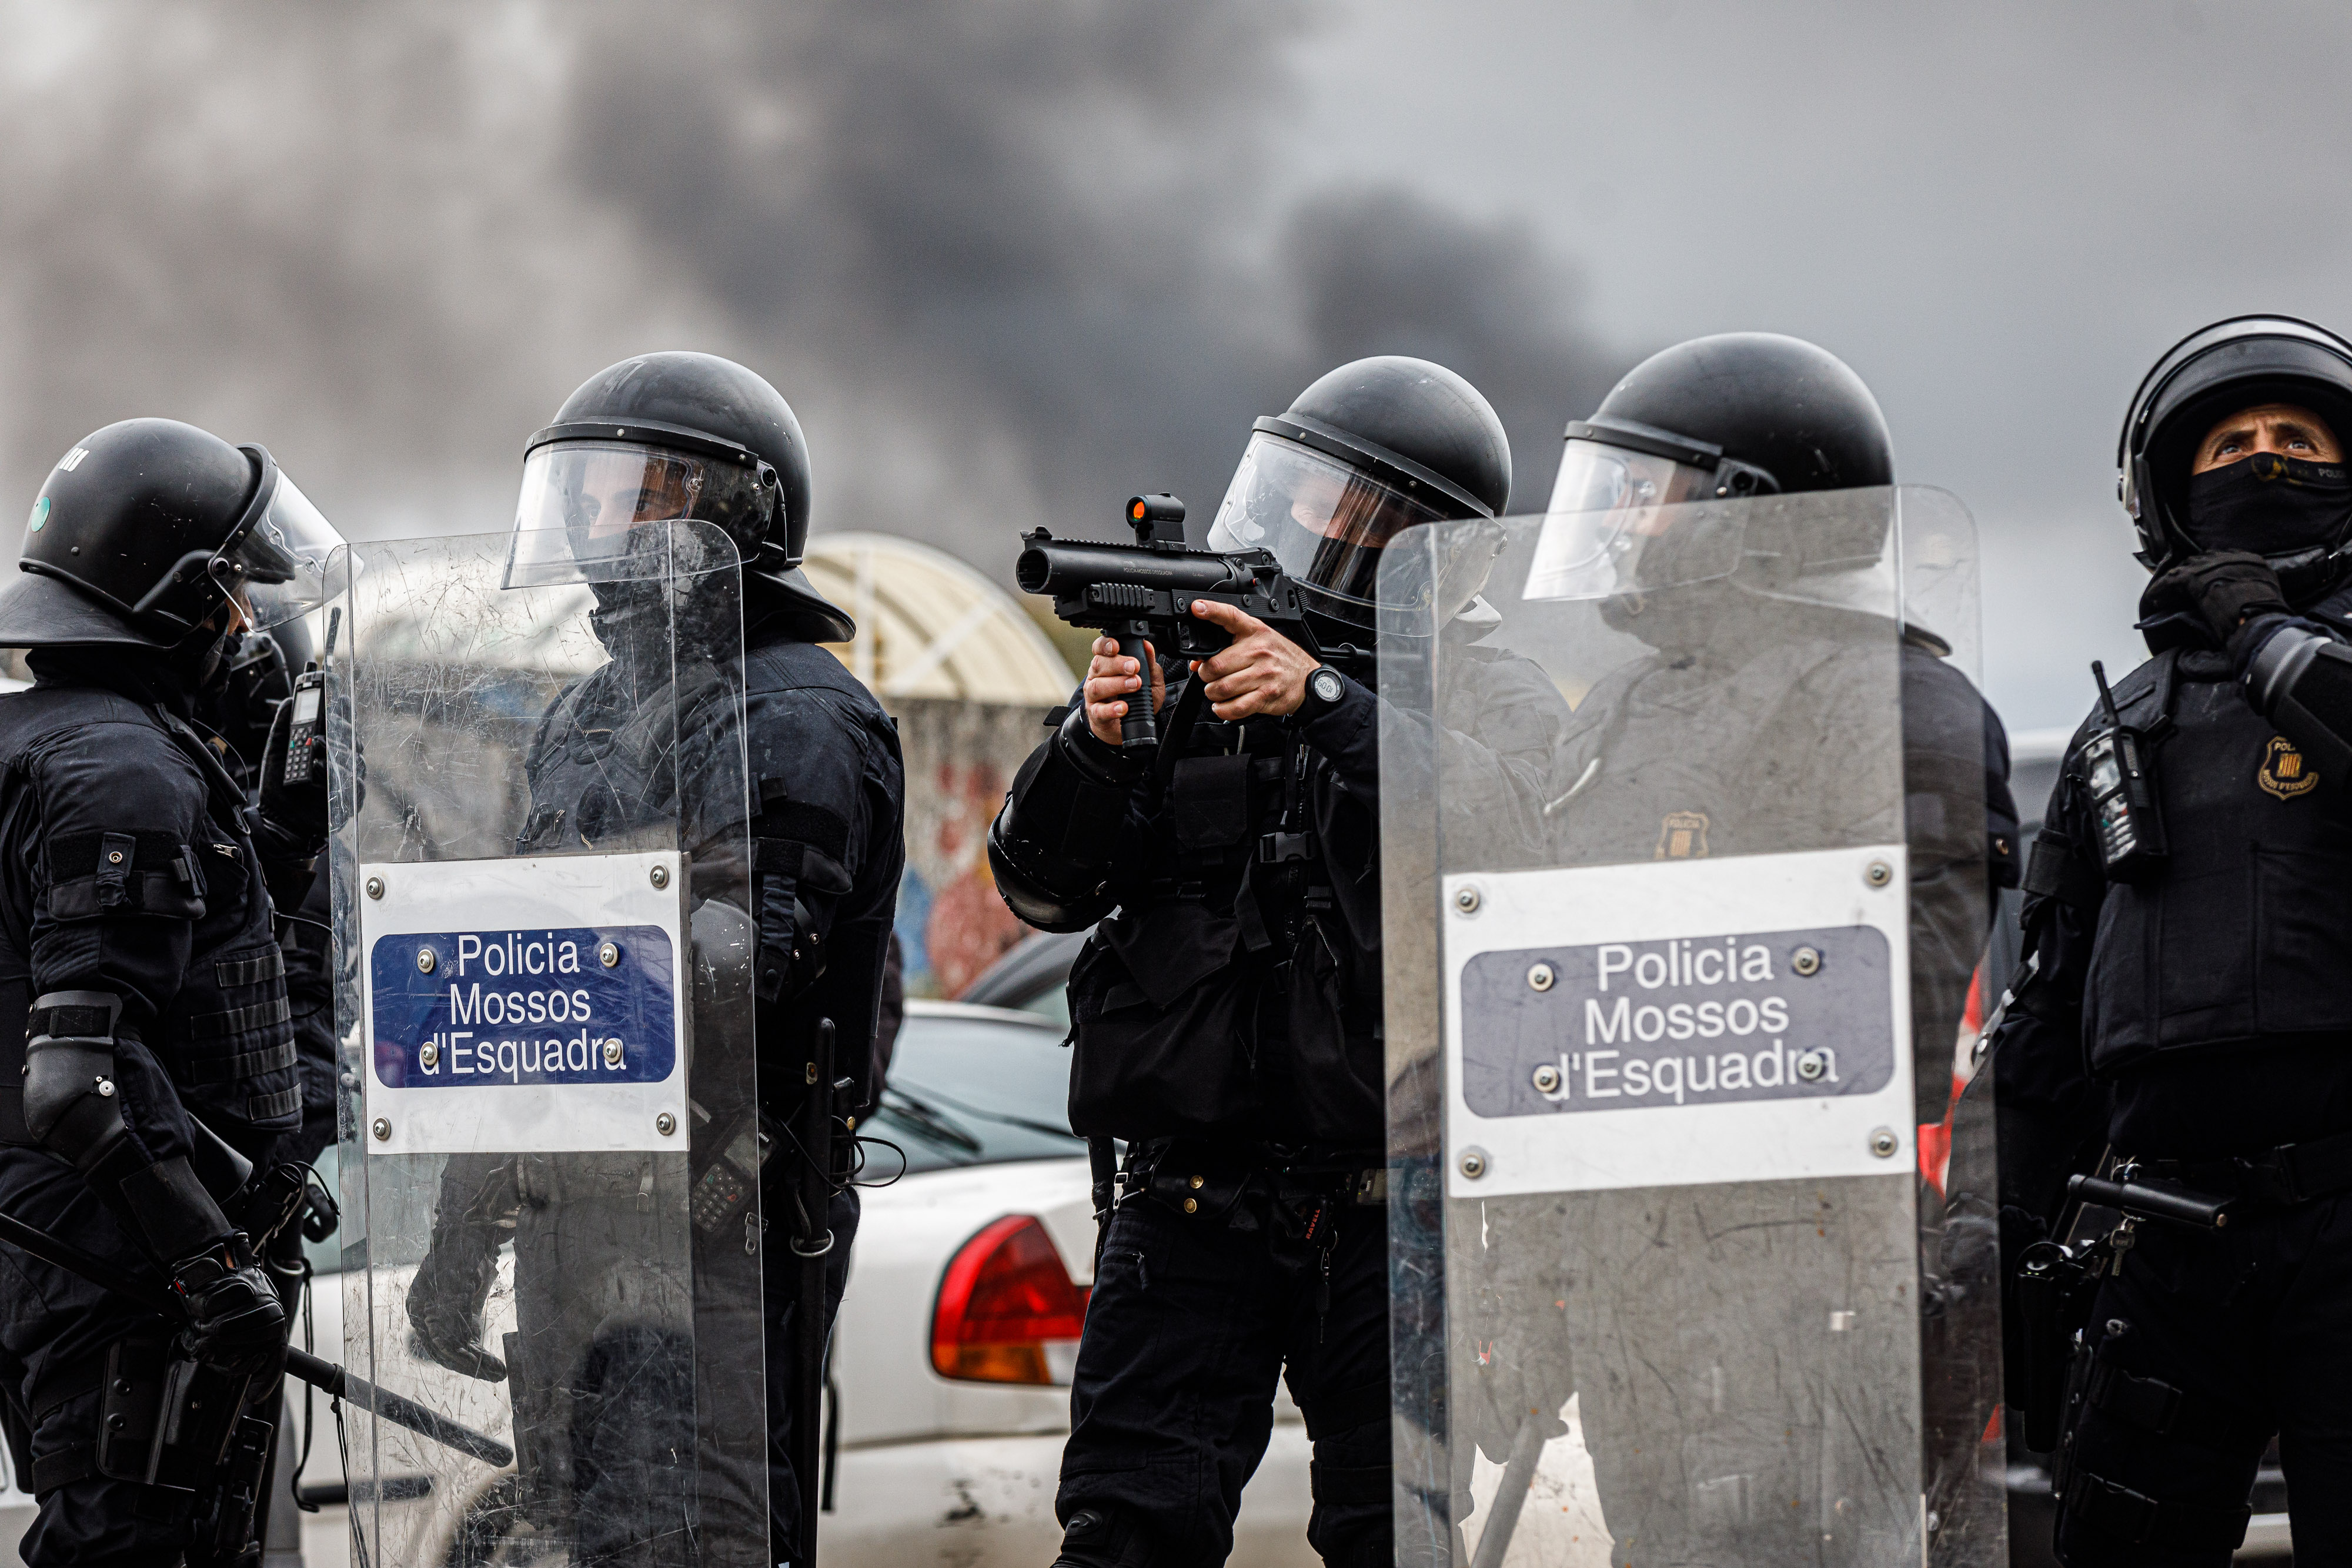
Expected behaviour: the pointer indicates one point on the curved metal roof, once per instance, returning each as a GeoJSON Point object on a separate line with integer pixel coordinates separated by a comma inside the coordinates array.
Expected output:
{"type": "Point", "coordinates": [930, 626]}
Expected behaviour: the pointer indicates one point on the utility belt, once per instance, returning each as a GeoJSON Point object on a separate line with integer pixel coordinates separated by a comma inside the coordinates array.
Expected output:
{"type": "Point", "coordinates": [2283, 1177]}
{"type": "Point", "coordinates": [1215, 1183]}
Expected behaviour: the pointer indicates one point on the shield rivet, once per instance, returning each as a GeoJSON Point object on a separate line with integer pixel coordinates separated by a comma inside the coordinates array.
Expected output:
{"type": "Point", "coordinates": [1806, 961]}
{"type": "Point", "coordinates": [1884, 1142]}
{"type": "Point", "coordinates": [382, 1128]}
{"type": "Point", "coordinates": [1200, 1181]}
{"type": "Point", "coordinates": [1192, 1206]}
{"type": "Point", "coordinates": [428, 1056]}
{"type": "Point", "coordinates": [608, 953]}
{"type": "Point", "coordinates": [612, 1053]}
{"type": "Point", "coordinates": [1465, 900]}
{"type": "Point", "coordinates": [665, 1123]}
{"type": "Point", "coordinates": [660, 874]}
{"type": "Point", "coordinates": [1879, 874]}
{"type": "Point", "coordinates": [1541, 977]}
{"type": "Point", "coordinates": [1812, 1064]}
{"type": "Point", "coordinates": [1474, 1163]}
{"type": "Point", "coordinates": [376, 887]}
{"type": "Point", "coordinates": [426, 960]}
{"type": "Point", "coordinates": [1547, 1079]}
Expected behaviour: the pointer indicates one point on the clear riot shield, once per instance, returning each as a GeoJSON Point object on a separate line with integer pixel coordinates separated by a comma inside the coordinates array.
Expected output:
{"type": "Point", "coordinates": [1684, 860]}
{"type": "Point", "coordinates": [544, 951]}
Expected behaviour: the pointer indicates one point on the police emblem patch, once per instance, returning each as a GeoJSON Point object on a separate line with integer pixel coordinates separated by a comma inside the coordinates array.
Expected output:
{"type": "Point", "coordinates": [1682, 836]}
{"type": "Point", "coordinates": [2285, 772]}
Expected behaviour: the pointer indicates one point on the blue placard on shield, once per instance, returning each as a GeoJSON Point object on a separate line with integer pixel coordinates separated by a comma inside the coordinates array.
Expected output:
{"type": "Point", "coordinates": [487, 1009]}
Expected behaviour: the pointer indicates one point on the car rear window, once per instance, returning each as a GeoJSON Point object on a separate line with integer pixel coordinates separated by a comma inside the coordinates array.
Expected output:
{"type": "Point", "coordinates": [969, 1090]}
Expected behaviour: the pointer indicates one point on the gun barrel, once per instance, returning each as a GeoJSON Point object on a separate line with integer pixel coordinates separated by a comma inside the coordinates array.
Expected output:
{"type": "Point", "coordinates": [1068, 568]}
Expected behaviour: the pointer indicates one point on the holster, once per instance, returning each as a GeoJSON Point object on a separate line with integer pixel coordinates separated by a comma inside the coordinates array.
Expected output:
{"type": "Point", "coordinates": [180, 1427]}
{"type": "Point", "coordinates": [2054, 1292]}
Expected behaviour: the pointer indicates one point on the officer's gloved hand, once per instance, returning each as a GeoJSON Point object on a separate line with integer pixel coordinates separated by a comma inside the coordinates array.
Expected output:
{"type": "Point", "coordinates": [299, 808]}
{"type": "Point", "coordinates": [2229, 589]}
{"type": "Point", "coordinates": [444, 1305]}
{"type": "Point", "coordinates": [236, 1322]}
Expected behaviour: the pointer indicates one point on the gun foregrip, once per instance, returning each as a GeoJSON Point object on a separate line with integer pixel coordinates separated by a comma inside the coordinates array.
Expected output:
{"type": "Point", "coordinates": [1138, 731]}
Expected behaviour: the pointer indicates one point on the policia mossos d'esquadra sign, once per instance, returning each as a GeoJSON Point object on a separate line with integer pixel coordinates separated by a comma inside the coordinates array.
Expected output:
{"type": "Point", "coordinates": [543, 941]}
{"type": "Point", "coordinates": [1666, 1017]}
{"type": "Point", "coordinates": [1767, 989]}
{"type": "Point", "coordinates": [524, 1004]}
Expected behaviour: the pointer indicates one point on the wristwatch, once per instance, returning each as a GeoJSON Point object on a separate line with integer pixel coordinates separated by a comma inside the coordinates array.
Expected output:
{"type": "Point", "coordinates": [1325, 687]}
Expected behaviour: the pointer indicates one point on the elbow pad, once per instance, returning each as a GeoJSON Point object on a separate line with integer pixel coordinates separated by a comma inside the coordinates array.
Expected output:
{"type": "Point", "coordinates": [2303, 683]}
{"type": "Point", "coordinates": [71, 1107]}
{"type": "Point", "coordinates": [1051, 846]}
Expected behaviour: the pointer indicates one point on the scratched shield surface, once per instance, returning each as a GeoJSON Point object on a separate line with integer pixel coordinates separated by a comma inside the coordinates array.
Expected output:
{"type": "Point", "coordinates": [1683, 888]}
{"type": "Point", "coordinates": [541, 872]}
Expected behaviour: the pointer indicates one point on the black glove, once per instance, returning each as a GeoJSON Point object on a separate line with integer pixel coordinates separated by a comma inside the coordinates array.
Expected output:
{"type": "Point", "coordinates": [236, 1322]}
{"type": "Point", "coordinates": [300, 809]}
{"type": "Point", "coordinates": [2228, 587]}
{"type": "Point", "coordinates": [445, 1298]}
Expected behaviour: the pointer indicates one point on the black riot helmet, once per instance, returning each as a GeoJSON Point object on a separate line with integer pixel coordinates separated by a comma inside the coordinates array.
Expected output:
{"type": "Point", "coordinates": [2214, 372]}
{"type": "Point", "coordinates": [689, 436]}
{"type": "Point", "coordinates": [1732, 417]}
{"type": "Point", "coordinates": [1367, 450]}
{"type": "Point", "coordinates": [145, 528]}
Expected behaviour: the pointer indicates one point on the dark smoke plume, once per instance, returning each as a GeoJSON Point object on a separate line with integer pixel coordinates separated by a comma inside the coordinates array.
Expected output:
{"type": "Point", "coordinates": [1011, 259]}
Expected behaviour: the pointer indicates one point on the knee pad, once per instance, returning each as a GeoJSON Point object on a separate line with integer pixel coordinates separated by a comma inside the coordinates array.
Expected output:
{"type": "Point", "coordinates": [1100, 1536]}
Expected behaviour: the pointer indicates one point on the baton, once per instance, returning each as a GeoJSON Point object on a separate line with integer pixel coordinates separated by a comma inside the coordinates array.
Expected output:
{"type": "Point", "coordinates": [325, 1375]}
{"type": "Point", "coordinates": [2151, 1200]}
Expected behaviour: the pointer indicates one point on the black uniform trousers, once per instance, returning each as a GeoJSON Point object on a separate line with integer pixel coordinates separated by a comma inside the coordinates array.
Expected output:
{"type": "Point", "coordinates": [2253, 1323]}
{"type": "Point", "coordinates": [779, 1276]}
{"type": "Point", "coordinates": [55, 1328]}
{"type": "Point", "coordinates": [1172, 1401]}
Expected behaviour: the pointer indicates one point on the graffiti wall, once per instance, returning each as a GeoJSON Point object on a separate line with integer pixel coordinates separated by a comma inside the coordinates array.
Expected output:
{"type": "Point", "coordinates": [960, 760]}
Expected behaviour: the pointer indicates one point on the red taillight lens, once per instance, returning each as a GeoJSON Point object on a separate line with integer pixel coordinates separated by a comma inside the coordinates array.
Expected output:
{"type": "Point", "coordinates": [1007, 1312]}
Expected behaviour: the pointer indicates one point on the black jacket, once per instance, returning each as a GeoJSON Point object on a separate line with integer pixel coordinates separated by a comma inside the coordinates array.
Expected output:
{"type": "Point", "coordinates": [2202, 1010]}
{"type": "Point", "coordinates": [129, 865]}
{"type": "Point", "coordinates": [820, 762]}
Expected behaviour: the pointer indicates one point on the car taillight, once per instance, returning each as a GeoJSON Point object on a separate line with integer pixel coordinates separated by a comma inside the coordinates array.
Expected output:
{"type": "Point", "coordinates": [1008, 1312]}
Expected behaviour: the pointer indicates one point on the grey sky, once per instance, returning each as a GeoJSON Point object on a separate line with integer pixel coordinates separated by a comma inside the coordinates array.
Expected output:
{"type": "Point", "coordinates": [1999, 212]}
{"type": "Point", "coordinates": [1011, 259]}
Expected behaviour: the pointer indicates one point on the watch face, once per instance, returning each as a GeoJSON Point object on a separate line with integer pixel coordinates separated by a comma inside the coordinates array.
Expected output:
{"type": "Point", "coordinates": [1326, 685]}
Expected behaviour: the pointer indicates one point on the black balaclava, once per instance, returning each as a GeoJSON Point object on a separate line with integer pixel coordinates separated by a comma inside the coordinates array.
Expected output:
{"type": "Point", "coordinates": [2271, 505]}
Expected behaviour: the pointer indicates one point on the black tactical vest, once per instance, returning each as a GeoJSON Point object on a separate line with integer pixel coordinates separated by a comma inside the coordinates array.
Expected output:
{"type": "Point", "coordinates": [226, 1038]}
{"type": "Point", "coordinates": [2247, 930]}
{"type": "Point", "coordinates": [1235, 992]}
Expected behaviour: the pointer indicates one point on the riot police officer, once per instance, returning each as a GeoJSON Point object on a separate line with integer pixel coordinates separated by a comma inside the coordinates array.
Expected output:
{"type": "Point", "coordinates": [669, 436]}
{"type": "Point", "coordinates": [1728, 510]}
{"type": "Point", "coordinates": [2188, 1011]}
{"type": "Point", "coordinates": [143, 989]}
{"type": "Point", "coordinates": [1226, 1012]}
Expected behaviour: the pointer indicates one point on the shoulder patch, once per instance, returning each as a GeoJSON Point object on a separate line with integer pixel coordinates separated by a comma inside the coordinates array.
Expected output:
{"type": "Point", "coordinates": [1682, 836]}
{"type": "Point", "coordinates": [2285, 771]}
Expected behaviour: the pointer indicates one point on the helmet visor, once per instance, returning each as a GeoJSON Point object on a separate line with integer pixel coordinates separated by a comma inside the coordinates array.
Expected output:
{"type": "Point", "coordinates": [597, 511]}
{"type": "Point", "coordinates": [283, 558]}
{"type": "Point", "coordinates": [1325, 522]}
{"type": "Point", "coordinates": [1620, 521]}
